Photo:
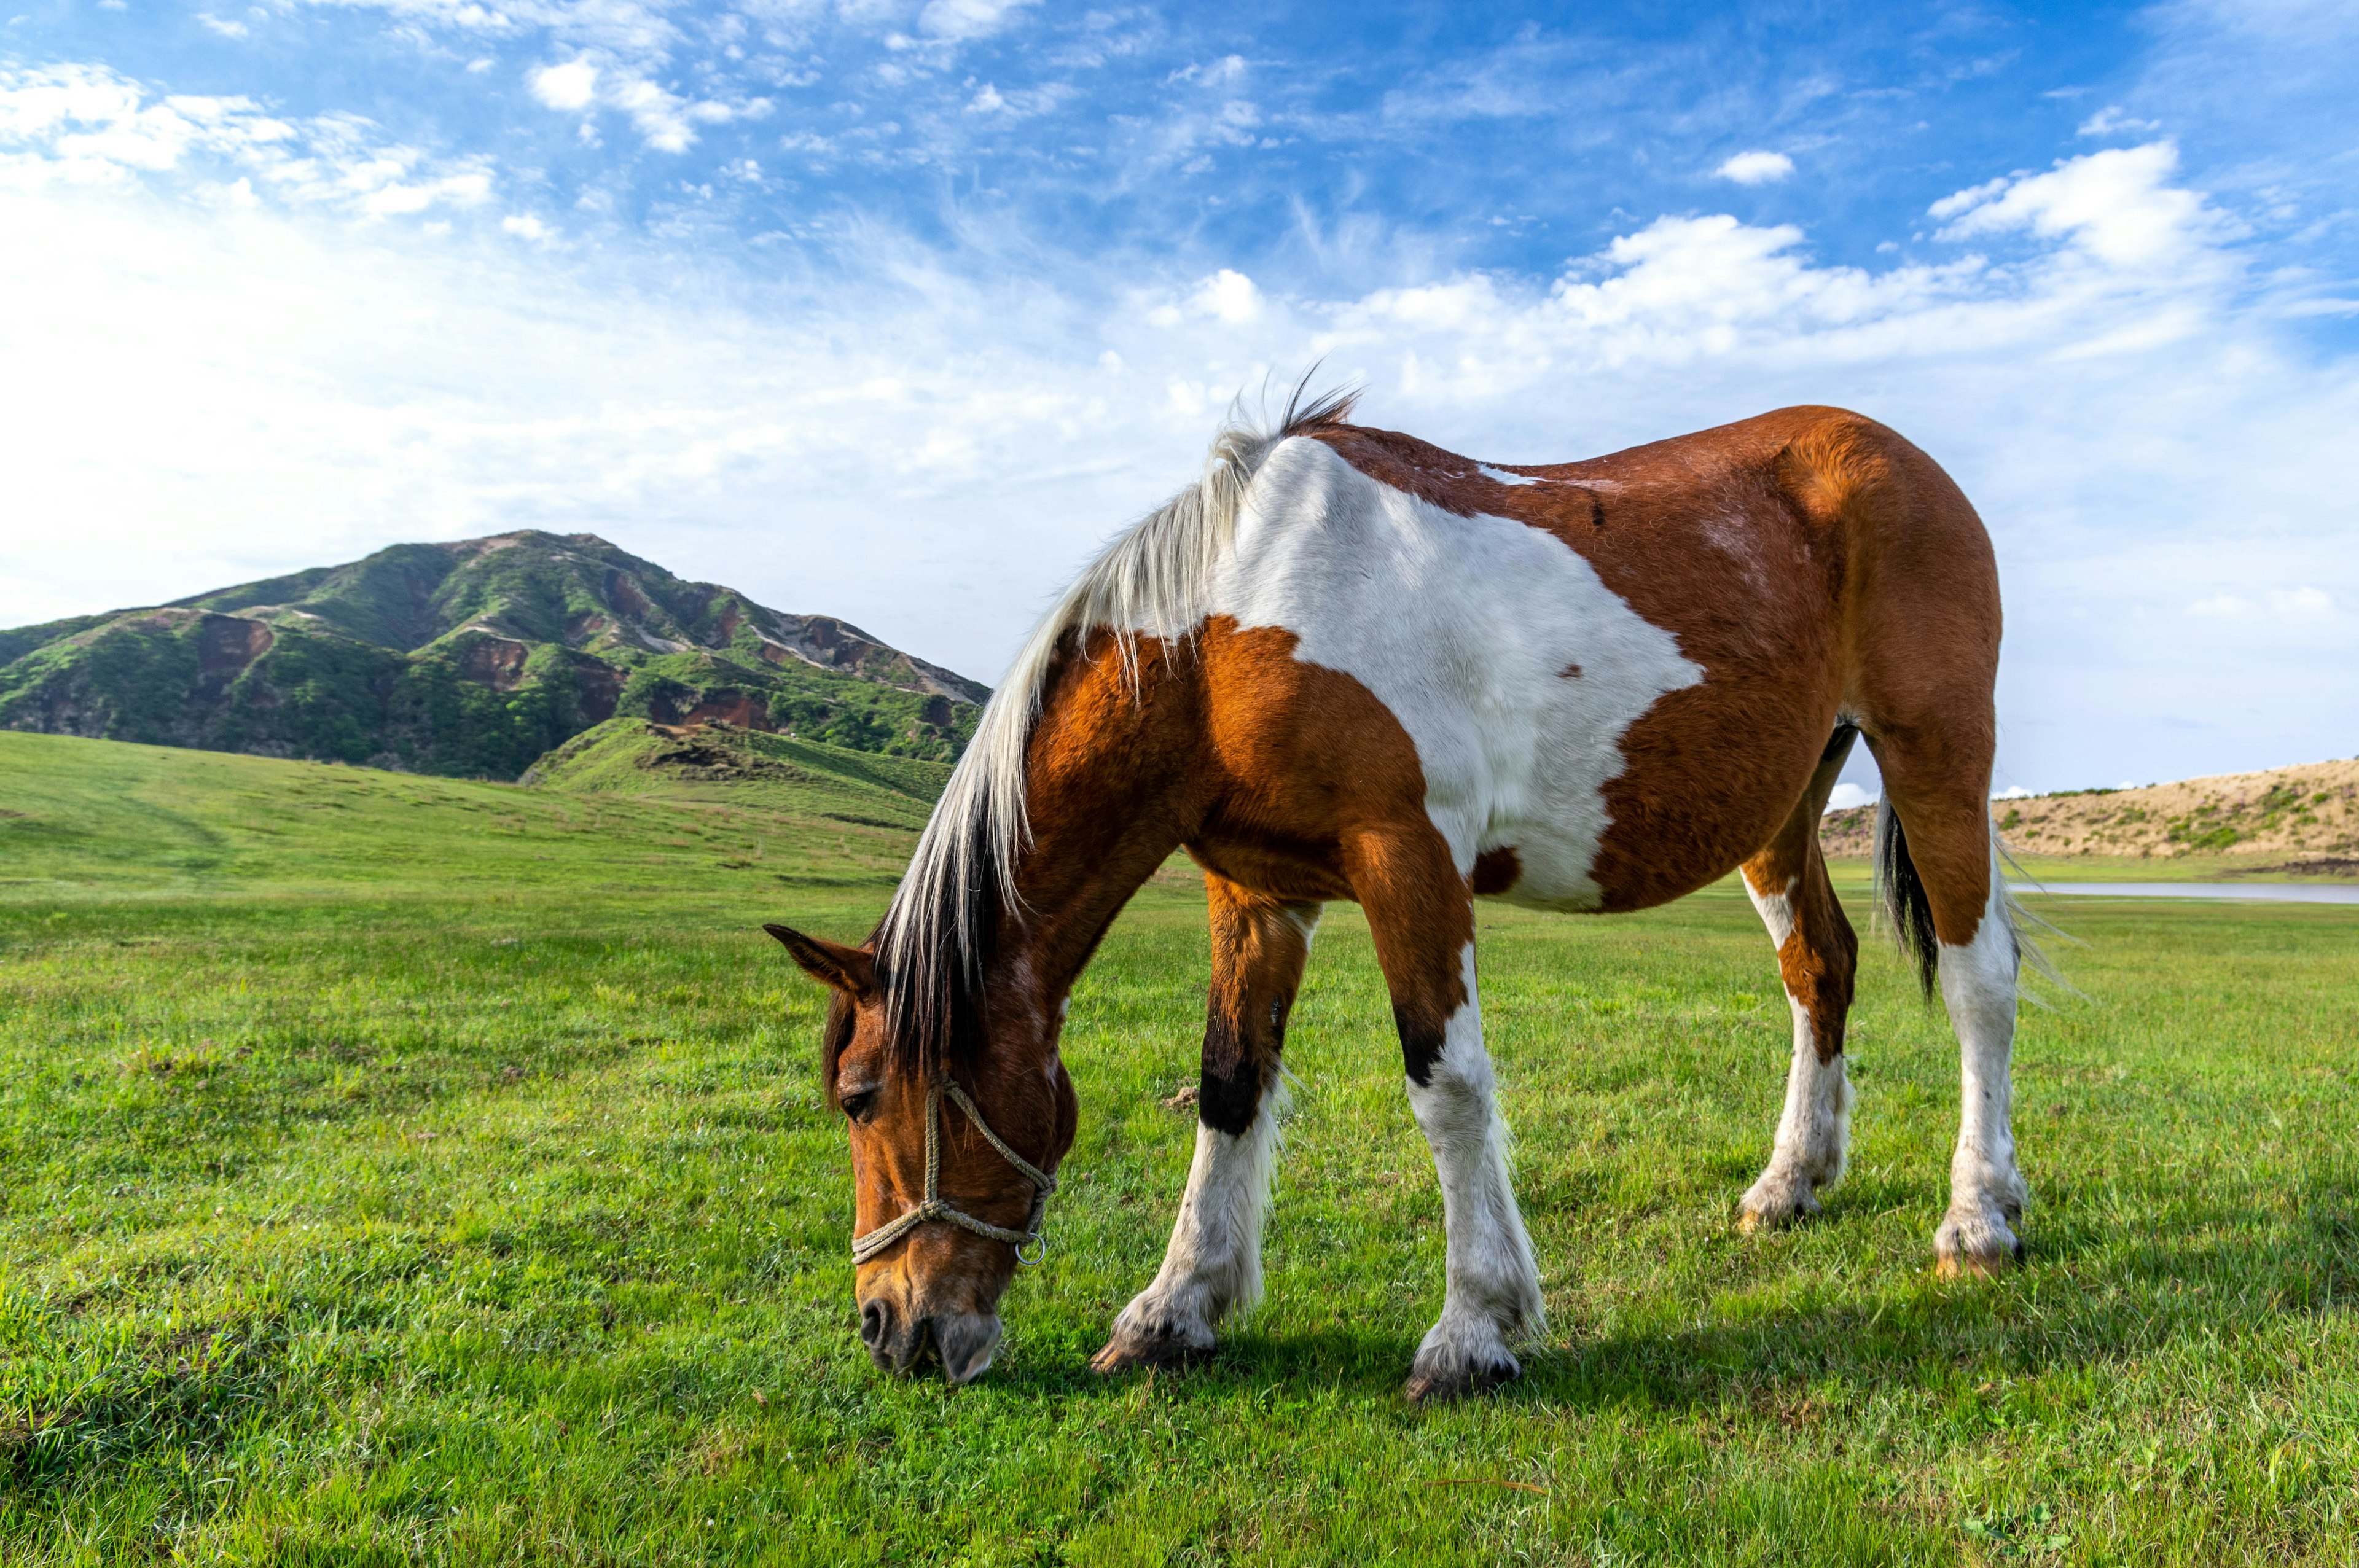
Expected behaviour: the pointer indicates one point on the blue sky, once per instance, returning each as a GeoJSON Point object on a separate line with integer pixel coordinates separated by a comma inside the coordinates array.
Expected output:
{"type": "Point", "coordinates": [891, 308]}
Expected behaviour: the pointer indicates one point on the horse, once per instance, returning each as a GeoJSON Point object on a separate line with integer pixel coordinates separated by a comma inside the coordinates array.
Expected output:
{"type": "Point", "coordinates": [1347, 663]}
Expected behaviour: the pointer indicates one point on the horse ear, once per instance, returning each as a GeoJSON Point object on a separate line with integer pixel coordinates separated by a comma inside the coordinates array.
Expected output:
{"type": "Point", "coordinates": [848, 969]}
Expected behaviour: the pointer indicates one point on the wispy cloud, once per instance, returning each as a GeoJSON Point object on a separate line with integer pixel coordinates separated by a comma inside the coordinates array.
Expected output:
{"type": "Point", "coordinates": [963, 19]}
{"type": "Point", "coordinates": [86, 126]}
{"type": "Point", "coordinates": [2295, 605]}
{"type": "Point", "coordinates": [2110, 121]}
{"type": "Point", "coordinates": [666, 120]}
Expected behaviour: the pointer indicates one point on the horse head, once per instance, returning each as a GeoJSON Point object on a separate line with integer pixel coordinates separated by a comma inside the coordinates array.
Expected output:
{"type": "Point", "coordinates": [950, 1164]}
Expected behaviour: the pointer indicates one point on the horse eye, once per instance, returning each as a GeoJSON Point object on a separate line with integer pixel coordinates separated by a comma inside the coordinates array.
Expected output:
{"type": "Point", "coordinates": [858, 1104]}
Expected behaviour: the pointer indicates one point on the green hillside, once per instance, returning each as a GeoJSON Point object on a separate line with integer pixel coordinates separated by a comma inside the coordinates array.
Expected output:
{"type": "Point", "coordinates": [471, 659]}
{"type": "Point", "coordinates": [629, 756]}
{"type": "Point", "coordinates": [98, 817]}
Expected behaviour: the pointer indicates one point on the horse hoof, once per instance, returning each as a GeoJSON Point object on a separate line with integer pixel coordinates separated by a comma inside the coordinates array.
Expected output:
{"type": "Point", "coordinates": [1762, 1211]}
{"type": "Point", "coordinates": [1975, 1246]}
{"type": "Point", "coordinates": [1751, 1221]}
{"type": "Point", "coordinates": [1433, 1385]}
{"type": "Point", "coordinates": [1978, 1265]}
{"type": "Point", "coordinates": [1163, 1345]}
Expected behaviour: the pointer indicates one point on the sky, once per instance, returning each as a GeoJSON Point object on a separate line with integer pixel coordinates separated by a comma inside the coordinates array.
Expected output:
{"type": "Point", "coordinates": [894, 309]}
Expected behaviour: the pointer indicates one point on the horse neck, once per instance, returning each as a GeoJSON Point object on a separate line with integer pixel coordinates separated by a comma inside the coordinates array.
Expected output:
{"type": "Point", "coordinates": [1107, 775]}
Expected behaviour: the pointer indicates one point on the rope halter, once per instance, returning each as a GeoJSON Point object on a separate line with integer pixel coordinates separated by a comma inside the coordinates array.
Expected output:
{"type": "Point", "coordinates": [863, 1247]}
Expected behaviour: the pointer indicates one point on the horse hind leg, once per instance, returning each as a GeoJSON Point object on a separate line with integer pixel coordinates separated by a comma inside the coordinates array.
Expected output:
{"type": "Point", "coordinates": [1212, 1267]}
{"type": "Point", "coordinates": [1817, 955]}
{"type": "Point", "coordinates": [1937, 865]}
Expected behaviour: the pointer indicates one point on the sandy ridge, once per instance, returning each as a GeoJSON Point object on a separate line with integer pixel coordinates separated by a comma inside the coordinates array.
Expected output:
{"type": "Point", "coordinates": [2307, 812]}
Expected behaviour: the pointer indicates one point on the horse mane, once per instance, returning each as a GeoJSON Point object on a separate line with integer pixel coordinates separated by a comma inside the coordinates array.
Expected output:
{"type": "Point", "coordinates": [936, 940]}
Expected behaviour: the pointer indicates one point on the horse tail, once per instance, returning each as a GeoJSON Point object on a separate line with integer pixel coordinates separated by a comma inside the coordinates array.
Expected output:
{"type": "Point", "coordinates": [1900, 894]}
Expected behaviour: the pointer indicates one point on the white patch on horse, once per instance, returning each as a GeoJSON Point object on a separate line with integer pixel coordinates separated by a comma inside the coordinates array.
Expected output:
{"type": "Point", "coordinates": [1986, 1191]}
{"type": "Point", "coordinates": [1493, 1285]}
{"type": "Point", "coordinates": [1501, 476]}
{"type": "Point", "coordinates": [1814, 1130]}
{"type": "Point", "coordinates": [1461, 627]}
{"type": "Point", "coordinates": [1212, 1267]}
{"type": "Point", "coordinates": [1775, 909]}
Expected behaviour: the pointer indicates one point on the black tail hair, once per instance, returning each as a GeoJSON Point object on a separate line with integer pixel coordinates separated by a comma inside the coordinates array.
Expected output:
{"type": "Point", "coordinates": [1901, 892]}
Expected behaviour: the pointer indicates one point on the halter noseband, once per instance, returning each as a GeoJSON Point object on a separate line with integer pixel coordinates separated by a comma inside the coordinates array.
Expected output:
{"type": "Point", "coordinates": [863, 1247]}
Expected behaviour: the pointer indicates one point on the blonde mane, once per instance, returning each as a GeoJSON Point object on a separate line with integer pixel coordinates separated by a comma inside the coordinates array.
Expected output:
{"type": "Point", "coordinates": [1151, 580]}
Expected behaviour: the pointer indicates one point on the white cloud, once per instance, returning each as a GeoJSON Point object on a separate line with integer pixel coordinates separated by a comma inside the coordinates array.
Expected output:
{"type": "Point", "coordinates": [663, 119]}
{"type": "Point", "coordinates": [1228, 297]}
{"type": "Point", "coordinates": [572, 85]}
{"type": "Point", "coordinates": [525, 226]}
{"type": "Point", "coordinates": [1756, 168]}
{"type": "Point", "coordinates": [2118, 205]}
{"type": "Point", "coordinates": [1847, 795]}
{"type": "Point", "coordinates": [1020, 104]}
{"type": "Point", "coordinates": [227, 28]}
{"type": "Point", "coordinates": [2012, 792]}
{"type": "Point", "coordinates": [86, 126]}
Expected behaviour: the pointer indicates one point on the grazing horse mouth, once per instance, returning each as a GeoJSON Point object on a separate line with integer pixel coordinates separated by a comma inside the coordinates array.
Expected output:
{"type": "Point", "coordinates": [961, 1343]}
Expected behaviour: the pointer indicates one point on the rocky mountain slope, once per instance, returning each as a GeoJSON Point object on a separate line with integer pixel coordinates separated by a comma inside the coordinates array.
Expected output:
{"type": "Point", "coordinates": [2308, 814]}
{"type": "Point", "coordinates": [472, 659]}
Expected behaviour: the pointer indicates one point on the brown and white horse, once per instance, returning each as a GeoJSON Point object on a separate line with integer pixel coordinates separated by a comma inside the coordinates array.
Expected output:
{"type": "Point", "coordinates": [1349, 664]}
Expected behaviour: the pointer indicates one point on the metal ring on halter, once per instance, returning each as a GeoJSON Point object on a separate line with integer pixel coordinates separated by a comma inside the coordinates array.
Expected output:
{"type": "Point", "coordinates": [863, 1247]}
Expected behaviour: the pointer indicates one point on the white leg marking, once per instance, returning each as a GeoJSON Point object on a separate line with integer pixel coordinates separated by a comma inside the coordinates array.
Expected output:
{"type": "Point", "coordinates": [1493, 1285]}
{"type": "Point", "coordinates": [1986, 1192]}
{"type": "Point", "coordinates": [1814, 1132]}
{"type": "Point", "coordinates": [1212, 1267]}
{"type": "Point", "coordinates": [1214, 1264]}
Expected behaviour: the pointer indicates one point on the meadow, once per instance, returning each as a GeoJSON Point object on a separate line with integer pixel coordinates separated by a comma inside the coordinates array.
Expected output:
{"type": "Point", "coordinates": [406, 1170]}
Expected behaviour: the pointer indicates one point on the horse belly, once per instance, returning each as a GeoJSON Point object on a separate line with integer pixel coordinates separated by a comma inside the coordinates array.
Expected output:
{"type": "Point", "coordinates": [1545, 821]}
{"type": "Point", "coordinates": [1520, 776]}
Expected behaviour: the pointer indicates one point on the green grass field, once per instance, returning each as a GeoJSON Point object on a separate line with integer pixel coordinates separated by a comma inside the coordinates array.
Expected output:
{"type": "Point", "coordinates": [406, 1170]}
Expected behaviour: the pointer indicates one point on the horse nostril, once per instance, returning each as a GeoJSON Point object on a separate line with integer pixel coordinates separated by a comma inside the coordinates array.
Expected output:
{"type": "Point", "coordinates": [872, 1324]}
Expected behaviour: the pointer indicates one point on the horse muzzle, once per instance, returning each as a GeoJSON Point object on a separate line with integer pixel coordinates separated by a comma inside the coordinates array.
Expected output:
{"type": "Point", "coordinates": [963, 1342]}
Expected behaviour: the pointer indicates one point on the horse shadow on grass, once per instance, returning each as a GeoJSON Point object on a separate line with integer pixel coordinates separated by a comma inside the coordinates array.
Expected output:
{"type": "Point", "coordinates": [2091, 1292]}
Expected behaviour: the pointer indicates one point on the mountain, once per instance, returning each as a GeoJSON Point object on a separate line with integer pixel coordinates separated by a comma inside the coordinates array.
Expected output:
{"type": "Point", "coordinates": [2309, 813]}
{"type": "Point", "coordinates": [472, 659]}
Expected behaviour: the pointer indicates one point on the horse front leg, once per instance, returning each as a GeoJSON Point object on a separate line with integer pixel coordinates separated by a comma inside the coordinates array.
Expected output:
{"type": "Point", "coordinates": [1212, 1267]}
{"type": "Point", "coordinates": [1420, 912]}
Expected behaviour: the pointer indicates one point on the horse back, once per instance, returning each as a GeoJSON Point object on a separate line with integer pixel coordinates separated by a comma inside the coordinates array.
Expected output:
{"type": "Point", "coordinates": [1619, 674]}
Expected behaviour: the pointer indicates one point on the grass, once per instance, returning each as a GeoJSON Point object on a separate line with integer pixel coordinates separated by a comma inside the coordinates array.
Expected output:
{"type": "Point", "coordinates": [404, 1170]}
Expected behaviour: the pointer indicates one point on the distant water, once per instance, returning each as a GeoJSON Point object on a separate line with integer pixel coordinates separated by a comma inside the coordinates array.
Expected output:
{"type": "Point", "coordinates": [2289, 892]}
